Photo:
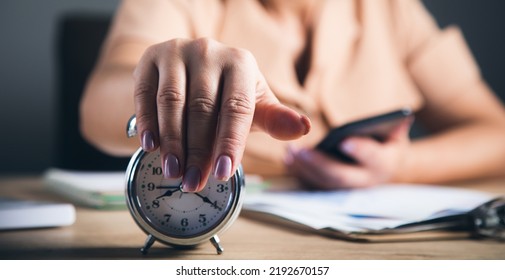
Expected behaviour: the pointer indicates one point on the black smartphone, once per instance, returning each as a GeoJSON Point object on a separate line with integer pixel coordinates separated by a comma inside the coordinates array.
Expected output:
{"type": "Point", "coordinates": [377, 127]}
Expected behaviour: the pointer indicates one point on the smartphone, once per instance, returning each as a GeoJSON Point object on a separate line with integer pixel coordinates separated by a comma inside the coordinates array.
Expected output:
{"type": "Point", "coordinates": [377, 127]}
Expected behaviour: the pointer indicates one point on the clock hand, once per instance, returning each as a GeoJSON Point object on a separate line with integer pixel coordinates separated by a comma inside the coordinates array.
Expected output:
{"type": "Point", "coordinates": [168, 193]}
{"type": "Point", "coordinates": [207, 200]}
{"type": "Point", "coordinates": [168, 187]}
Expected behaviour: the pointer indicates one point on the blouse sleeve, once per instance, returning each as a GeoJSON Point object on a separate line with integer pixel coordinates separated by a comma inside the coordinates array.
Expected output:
{"type": "Point", "coordinates": [153, 20]}
{"type": "Point", "coordinates": [439, 61]}
{"type": "Point", "coordinates": [140, 24]}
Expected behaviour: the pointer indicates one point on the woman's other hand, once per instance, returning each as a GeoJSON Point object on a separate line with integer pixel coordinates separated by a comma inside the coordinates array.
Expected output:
{"type": "Point", "coordinates": [376, 162]}
{"type": "Point", "coordinates": [197, 100]}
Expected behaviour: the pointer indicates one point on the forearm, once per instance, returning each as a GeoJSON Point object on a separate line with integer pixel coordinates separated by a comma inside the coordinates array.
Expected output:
{"type": "Point", "coordinates": [105, 109]}
{"type": "Point", "coordinates": [468, 151]}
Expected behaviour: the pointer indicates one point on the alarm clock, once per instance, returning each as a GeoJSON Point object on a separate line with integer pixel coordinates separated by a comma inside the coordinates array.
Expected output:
{"type": "Point", "coordinates": [171, 216]}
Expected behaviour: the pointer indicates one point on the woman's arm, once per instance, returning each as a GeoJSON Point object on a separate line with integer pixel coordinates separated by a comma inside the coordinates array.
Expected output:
{"type": "Point", "coordinates": [107, 102]}
{"type": "Point", "coordinates": [465, 120]}
{"type": "Point", "coordinates": [468, 140]}
{"type": "Point", "coordinates": [194, 98]}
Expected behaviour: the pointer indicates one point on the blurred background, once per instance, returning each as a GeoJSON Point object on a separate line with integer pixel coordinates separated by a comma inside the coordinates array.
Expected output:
{"type": "Point", "coordinates": [40, 42]}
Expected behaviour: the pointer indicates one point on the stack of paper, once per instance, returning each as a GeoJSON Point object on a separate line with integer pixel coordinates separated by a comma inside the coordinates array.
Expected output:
{"type": "Point", "coordinates": [386, 208]}
{"type": "Point", "coordinates": [103, 190]}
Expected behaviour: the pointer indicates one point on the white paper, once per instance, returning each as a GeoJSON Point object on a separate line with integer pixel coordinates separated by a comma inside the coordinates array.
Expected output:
{"type": "Point", "coordinates": [20, 214]}
{"type": "Point", "coordinates": [101, 182]}
{"type": "Point", "coordinates": [380, 207]}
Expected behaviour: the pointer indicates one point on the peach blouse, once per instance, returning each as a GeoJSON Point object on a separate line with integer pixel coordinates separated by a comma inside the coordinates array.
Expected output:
{"type": "Point", "coordinates": [366, 58]}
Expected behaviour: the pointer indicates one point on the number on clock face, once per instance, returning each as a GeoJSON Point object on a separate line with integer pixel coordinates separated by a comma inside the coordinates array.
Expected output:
{"type": "Point", "coordinates": [173, 212]}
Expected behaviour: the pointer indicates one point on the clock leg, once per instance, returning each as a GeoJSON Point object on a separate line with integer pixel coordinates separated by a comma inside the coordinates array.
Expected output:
{"type": "Point", "coordinates": [215, 241]}
{"type": "Point", "coordinates": [149, 242]}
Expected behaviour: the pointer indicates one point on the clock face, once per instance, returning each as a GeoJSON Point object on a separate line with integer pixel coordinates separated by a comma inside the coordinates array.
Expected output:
{"type": "Point", "coordinates": [162, 206]}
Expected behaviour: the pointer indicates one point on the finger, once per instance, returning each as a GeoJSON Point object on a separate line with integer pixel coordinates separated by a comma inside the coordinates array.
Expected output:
{"type": "Point", "coordinates": [401, 131]}
{"type": "Point", "coordinates": [306, 173]}
{"type": "Point", "coordinates": [171, 100]}
{"type": "Point", "coordinates": [361, 149]}
{"type": "Point", "coordinates": [202, 112]}
{"type": "Point", "coordinates": [145, 87]}
{"type": "Point", "coordinates": [279, 121]}
{"type": "Point", "coordinates": [327, 173]}
{"type": "Point", "coordinates": [235, 117]}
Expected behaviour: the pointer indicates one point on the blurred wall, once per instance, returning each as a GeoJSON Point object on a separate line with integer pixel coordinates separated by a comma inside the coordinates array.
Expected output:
{"type": "Point", "coordinates": [28, 75]}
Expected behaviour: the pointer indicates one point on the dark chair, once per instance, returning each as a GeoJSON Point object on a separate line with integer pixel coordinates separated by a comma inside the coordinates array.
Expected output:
{"type": "Point", "coordinates": [80, 37]}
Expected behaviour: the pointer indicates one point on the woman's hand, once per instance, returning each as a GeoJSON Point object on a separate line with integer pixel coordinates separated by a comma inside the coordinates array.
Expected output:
{"type": "Point", "coordinates": [376, 162]}
{"type": "Point", "coordinates": [197, 100]}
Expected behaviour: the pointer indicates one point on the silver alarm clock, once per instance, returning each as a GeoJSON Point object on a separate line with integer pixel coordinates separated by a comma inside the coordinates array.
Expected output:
{"type": "Point", "coordinates": [173, 217]}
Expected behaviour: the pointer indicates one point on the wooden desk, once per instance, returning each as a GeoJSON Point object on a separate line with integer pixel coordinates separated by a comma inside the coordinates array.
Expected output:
{"type": "Point", "coordinates": [113, 235]}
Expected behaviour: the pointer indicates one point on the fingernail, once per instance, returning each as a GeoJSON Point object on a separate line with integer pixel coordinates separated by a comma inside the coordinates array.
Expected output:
{"type": "Point", "coordinates": [191, 179]}
{"type": "Point", "coordinates": [172, 167]}
{"type": "Point", "coordinates": [288, 158]}
{"type": "Point", "coordinates": [306, 122]}
{"type": "Point", "coordinates": [305, 154]}
{"type": "Point", "coordinates": [222, 171]}
{"type": "Point", "coordinates": [411, 121]}
{"type": "Point", "coordinates": [147, 140]}
{"type": "Point", "coordinates": [290, 152]}
{"type": "Point", "coordinates": [347, 147]}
